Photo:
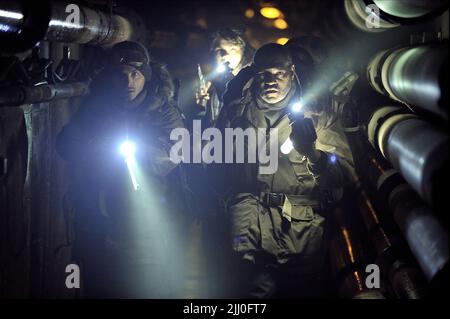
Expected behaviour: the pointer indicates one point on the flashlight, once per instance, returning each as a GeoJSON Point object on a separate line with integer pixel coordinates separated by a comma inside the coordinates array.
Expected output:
{"type": "Point", "coordinates": [295, 114]}
{"type": "Point", "coordinates": [223, 67]}
{"type": "Point", "coordinates": [128, 149]}
{"type": "Point", "coordinates": [297, 106]}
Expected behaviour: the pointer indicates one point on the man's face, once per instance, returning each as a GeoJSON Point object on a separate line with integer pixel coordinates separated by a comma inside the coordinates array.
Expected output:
{"type": "Point", "coordinates": [228, 52]}
{"type": "Point", "coordinates": [274, 84]}
{"type": "Point", "coordinates": [129, 81]}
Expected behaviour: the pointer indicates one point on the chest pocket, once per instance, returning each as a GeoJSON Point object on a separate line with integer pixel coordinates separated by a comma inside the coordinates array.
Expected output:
{"type": "Point", "coordinates": [298, 163]}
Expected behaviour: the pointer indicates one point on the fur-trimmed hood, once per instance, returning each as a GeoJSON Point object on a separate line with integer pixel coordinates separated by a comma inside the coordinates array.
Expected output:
{"type": "Point", "coordinates": [160, 89]}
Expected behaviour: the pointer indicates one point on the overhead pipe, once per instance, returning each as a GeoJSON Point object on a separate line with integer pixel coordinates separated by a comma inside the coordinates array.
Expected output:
{"type": "Point", "coordinates": [19, 95]}
{"type": "Point", "coordinates": [94, 27]}
{"type": "Point", "coordinates": [410, 9]}
{"type": "Point", "coordinates": [24, 23]}
{"type": "Point", "coordinates": [345, 18]}
{"type": "Point", "coordinates": [380, 15]}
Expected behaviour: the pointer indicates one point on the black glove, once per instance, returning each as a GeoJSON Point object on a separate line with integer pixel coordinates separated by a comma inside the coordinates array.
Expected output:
{"type": "Point", "coordinates": [303, 136]}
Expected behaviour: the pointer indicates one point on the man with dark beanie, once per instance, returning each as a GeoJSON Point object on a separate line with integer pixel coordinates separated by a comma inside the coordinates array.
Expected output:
{"type": "Point", "coordinates": [278, 220]}
{"type": "Point", "coordinates": [123, 181]}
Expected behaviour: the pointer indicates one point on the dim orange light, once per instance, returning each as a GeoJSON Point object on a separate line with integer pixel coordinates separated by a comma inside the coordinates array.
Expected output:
{"type": "Point", "coordinates": [249, 13]}
{"type": "Point", "coordinates": [280, 24]}
{"type": "Point", "coordinates": [270, 12]}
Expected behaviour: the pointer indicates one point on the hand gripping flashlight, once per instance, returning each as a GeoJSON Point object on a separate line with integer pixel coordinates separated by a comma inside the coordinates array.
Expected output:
{"type": "Point", "coordinates": [295, 114]}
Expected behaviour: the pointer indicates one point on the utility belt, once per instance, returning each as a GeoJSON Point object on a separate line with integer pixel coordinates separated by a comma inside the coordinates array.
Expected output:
{"type": "Point", "coordinates": [278, 199]}
{"type": "Point", "coordinates": [287, 202]}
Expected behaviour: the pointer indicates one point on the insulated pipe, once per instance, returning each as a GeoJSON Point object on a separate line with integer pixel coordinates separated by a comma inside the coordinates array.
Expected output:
{"type": "Point", "coordinates": [424, 232]}
{"type": "Point", "coordinates": [93, 27]}
{"type": "Point", "coordinates": [367, 18]}
{"type": "Point", "coordinates": [382, 15]}
{"type": "Point", "coordinates": [405, 277]}
{"type": "Point", "coordinates": [24, 23]}
{"type": "Point", "coordinates": [410, 9]}
{"type": "Point", "coordinates": [420, 153]}
{"type": "Point", "coordinates": [19, 95]}
{"type": "Point", "coordinates": [414, 147]}
{"type": "Point", "coordinates": [426, 236]}
{"type": "Point", "coordinates": [378, 16]}
{"type": "Point", "coordinates": [413, 75]}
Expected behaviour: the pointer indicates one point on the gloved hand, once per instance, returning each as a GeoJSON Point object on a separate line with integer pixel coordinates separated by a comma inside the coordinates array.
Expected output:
{"type": "Point", "coordinates": [303, 136]}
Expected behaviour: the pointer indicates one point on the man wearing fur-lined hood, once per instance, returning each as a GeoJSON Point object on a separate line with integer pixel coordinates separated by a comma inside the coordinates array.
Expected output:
{"type": "Point", "coordinates": [117, 146]}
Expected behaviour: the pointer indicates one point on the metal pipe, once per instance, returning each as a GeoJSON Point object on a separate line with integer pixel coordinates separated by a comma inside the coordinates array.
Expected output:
{"type": "Point", "coordinates": [424, 232]}
{"type": "Point", "coordinates": [24, 23]}
{"type": "Point", "coordinates": [381, 15]}
{"type": "Point", "coordinates": [365, 18]}
{"type": "Point", "coordinates": [410, 9]}
{"type": "Point", "coordinates": [404, 276]}
{"type": "Point", "coordinates": [414, 147]}
{"type": "Point", "coordinates": [420, 153]}
{"type": "Point", "coordinates": [19, 95]}
{"type": "Point", "coordinates": [426, 236]}
{"type": "Point", "coordinates": [416, 76]}
{"type": "Point", "coordinates": [93, 26]}
{"type": "Point", "coordinates": [11, 17]}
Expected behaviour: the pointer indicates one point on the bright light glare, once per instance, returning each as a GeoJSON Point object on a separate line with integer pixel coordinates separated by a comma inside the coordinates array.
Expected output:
{"type": "Point", "coordinates": [127, 149]}
{"type": "Point", "coordinates": [297, 107]}
{"type": "Point", "coordinates": [221, 68]}
{"type": "Point", "coordinates": [333, 159]}
{"type": "Point", "coordinates": [11, 15]}
{"type": "Point", "coordinates": [287, 146]}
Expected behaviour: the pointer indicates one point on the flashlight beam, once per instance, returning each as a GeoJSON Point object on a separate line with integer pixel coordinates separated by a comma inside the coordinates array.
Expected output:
{"type": "Point", "coordinates": [129, 161]}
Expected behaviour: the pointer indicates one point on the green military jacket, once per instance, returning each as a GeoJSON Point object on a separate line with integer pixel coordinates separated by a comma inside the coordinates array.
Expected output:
{"type": "Point", "coordinates": [292, 232]}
